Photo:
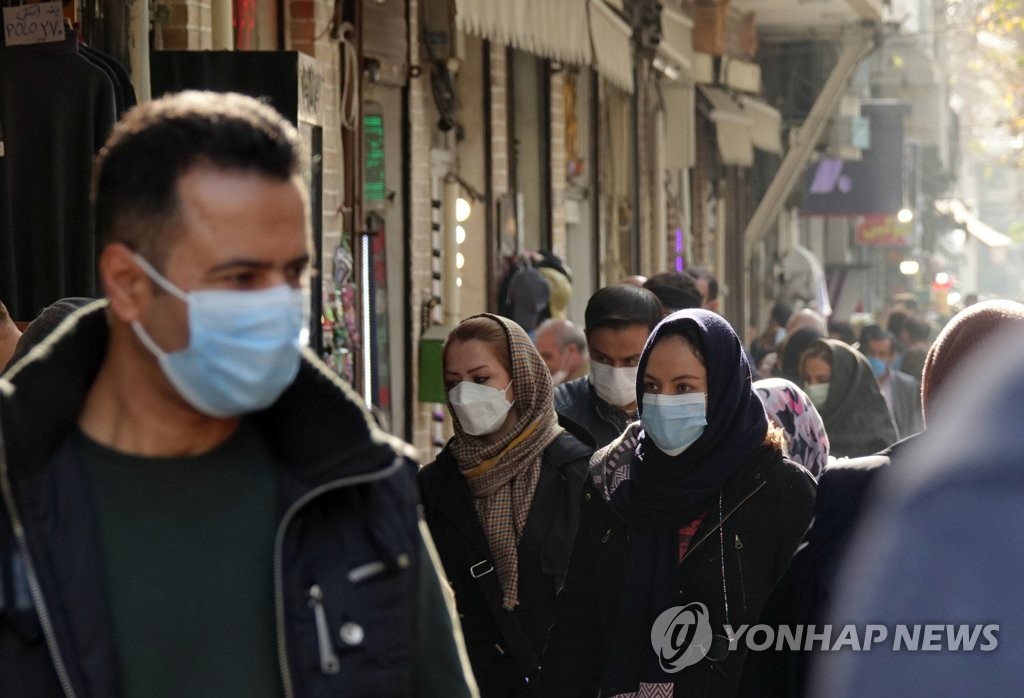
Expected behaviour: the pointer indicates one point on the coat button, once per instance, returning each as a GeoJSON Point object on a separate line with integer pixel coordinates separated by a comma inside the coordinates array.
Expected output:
{"type": "Point", "coordinates": [403, 561]}
{"type": "Point", "coordinates": [352, 634]}
{"type": "Point", "coordinates": [607, 535]}
{"type": "Point", "coordinates": [586, 497]}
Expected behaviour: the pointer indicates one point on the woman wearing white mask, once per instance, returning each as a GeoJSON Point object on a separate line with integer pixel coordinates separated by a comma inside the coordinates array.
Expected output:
{"type": "Point", "coordinates": [688, 520]}
{"type": "Point", "coordinates": [840, 383]}
{"type": "Point", "coordinates": [502, 499]}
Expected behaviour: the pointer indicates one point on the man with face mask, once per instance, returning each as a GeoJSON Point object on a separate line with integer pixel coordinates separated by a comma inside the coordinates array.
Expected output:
{"type": "Point", "coordinates": [902, 392]}
{"type": "Point", "coordinates": [598, 407]}
{"type": "Point", "coordinates": [192, 504]}
{"type": "Point", "coordinates": [563, 346]}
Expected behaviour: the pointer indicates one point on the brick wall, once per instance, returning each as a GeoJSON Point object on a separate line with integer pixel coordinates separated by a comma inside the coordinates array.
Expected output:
{"type": "Point", "coordinates": [421, 119]}
{"type": "Point", "coordinates": [307, 32]}
{"type": "Point", "coordinates": [189, 26]}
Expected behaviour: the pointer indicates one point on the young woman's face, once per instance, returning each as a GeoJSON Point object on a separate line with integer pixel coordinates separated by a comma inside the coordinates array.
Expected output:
{"type": "Point", "coordinates": [474, 361]}
{"type": "Point", "coordinates": [816, 370]}
{"type": "Point", "coordinates": [673, 368]}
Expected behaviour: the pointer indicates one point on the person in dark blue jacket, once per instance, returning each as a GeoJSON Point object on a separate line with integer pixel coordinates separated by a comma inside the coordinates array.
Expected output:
{"type": "Point", "coordinates": [192, 504]}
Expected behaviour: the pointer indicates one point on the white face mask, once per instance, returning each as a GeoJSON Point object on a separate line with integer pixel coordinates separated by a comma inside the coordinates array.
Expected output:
{"type": "Point", "coordinates": [480, 409]}
{"type": "Point", "coordinates": [818, 393]}
{"type": "Point", "coordinates": [616, 386]}
{"type": "Point", "coordinates": [559, 376]}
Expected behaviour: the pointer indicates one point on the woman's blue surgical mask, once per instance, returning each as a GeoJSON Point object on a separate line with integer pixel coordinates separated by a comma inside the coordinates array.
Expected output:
{"type": "Point", "coordinates": [674, 422]}
{"type": "Point", "coordinates": [243, 348]}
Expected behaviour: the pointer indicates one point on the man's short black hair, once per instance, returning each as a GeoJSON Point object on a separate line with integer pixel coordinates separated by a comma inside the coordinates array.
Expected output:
{"type": "Point", "coordinates": [875, 333]}
{"type": "Point", "coordinates": [675, 290]}
{"type": "Point", "coordinates": [618, 307]}
{"type": "Point", "coordinates": [705, 273]}
{"type": "Point", "coordinates": [135, 179]}
{"type": "Point", "coordinates": [781, 312]}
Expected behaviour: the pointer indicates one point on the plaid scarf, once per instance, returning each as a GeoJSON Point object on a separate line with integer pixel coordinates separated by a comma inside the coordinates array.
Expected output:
{"type": "Point", "coordinates": [502, 476]}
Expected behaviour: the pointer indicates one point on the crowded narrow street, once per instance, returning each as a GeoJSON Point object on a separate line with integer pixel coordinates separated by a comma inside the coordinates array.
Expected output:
{"type": "Point", "coordinates": [511, 348]}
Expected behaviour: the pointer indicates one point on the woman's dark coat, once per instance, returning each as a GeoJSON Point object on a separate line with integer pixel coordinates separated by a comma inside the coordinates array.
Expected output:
{"type": "Point", "coordinates": [766, 511]}
{"type": "Point", "coordinates": [543, 556]}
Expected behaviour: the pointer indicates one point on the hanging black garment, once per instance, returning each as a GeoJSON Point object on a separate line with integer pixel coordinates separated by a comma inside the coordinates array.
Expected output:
{"type": "Point", "coordinates": [118, 74]}
{"type": "Point", "coordinates": [86, 53]}
{"type": "Point", "coordinates": [56, 111]}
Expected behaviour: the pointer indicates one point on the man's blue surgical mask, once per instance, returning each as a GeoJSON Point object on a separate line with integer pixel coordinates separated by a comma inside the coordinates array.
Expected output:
{"type": "Point", "coordinates": [674, 422]}
{"type": "Point", "coordinates": [878, 366]}
{"type": "Point", "coordinates": [243, 348]}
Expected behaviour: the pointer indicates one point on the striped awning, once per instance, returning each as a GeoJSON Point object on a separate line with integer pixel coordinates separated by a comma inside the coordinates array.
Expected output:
{"type": "Point", "coordinates": [560, 30]}
{"type": "Point", "coordinates": [733, 128]}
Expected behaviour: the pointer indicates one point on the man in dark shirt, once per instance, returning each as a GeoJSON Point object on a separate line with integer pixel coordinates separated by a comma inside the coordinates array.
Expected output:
{"type": "Point", "coordinates": [597, 408]}
{"type": "Point", "coordinates": [192, 504]}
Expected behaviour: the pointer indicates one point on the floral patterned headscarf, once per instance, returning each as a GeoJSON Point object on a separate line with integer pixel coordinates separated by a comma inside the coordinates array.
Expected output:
{"type": "Point", "coordinates": [790, 408]}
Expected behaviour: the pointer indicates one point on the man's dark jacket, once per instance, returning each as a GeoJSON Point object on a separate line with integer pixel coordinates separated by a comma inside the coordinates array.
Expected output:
{"type": "Point", "coordinates": [589, 418]}
{"type": "Point", "coordinates": [348, 523]}
{"type": "Point", "coordinates": [543, 556]}
{"type": "Point", "coordinates": [906, 404]}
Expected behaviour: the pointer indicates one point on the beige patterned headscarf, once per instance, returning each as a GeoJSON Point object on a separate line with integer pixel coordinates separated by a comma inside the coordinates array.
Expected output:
{"type": "Point", "coordinates": [503, 475]}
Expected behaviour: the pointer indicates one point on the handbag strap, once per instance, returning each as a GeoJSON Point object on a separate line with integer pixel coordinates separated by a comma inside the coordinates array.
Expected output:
{"type": "Point", "coordinates": [510, 627]}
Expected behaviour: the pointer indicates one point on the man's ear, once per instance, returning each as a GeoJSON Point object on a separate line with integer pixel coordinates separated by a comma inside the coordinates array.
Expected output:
{"type": "Point", "coordinates": [126, 285]}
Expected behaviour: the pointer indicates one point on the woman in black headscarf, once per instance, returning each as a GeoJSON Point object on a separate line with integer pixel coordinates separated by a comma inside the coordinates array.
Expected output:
{"type": "Point", "coordinates": [688, 520]}
{"type": "Point", "coordinates": [839, 381]}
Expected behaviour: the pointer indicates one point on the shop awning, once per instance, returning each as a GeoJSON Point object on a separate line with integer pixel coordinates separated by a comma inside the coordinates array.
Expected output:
{"type": "Point", "coordinates": [680, 134]}
{"type": "Point", "coordinates": [983, 232]}
{"type": "Point", "coordinates": [766, 129]}
{"type": "Point", "coordinates": [733, 128]}
{"type": "Point", "coordinates": [613, 46]}
{"type": "Point", "coordinates": [676, 45]}
{"type": "Point", "coordinates": [555, 29]}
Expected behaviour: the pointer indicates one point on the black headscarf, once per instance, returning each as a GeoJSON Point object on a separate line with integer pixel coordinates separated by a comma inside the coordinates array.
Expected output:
{"type": "Point", "coordinates": [668, 492]}
{"type": "Point", "coordinates": [665, 493]}
{"type": "Point", "coordinates": [855, 414]}
{"type": "Point", "coordinates": [792, 348]}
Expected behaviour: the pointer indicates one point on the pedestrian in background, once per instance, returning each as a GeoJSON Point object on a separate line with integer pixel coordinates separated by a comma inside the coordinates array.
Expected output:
{"type": "Point", "coordinates": [902, 393]}
{"type": "Point", "coordinates": [502, 499]}
{"type": "Point", "coordinates": [840, 383]}
{"type": "Point", "coordinates": [790, 409]}
{"type": "Point", "coordinates": [693, 503]}
{"type": "Point", "coordinates": [618, 320]}
{"type": "Point", "coordinates": [675, 291]}
{"type": "Point", "coordinates": [563, 346]}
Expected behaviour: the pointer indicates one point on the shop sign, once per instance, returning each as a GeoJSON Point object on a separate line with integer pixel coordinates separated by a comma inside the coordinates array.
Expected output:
{"type": "Point", "coordinates": [883, 231]}
{"type": "Point", "coordinates": [40, 23]}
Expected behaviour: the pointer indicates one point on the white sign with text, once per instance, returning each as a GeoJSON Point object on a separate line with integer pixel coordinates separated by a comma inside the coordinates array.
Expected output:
{"type": "Point", "coordinates": [40, 23]}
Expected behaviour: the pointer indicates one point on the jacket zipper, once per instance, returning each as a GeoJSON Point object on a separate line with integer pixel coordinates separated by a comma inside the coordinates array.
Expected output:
{"type": "Point", "coordinates": [282, 649]}
{"type": "Point", "coordinates": [30, 574]}
{"type": "Point", "coordinates": [724, 519]}
{"type": "Point", "coordinates": [739, 563]}
{"type": "Point", "coordinates": [329, 663]}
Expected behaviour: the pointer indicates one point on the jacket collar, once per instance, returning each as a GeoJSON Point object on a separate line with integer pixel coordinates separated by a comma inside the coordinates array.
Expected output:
{"type": "Point", "coordinates": [318, 428]}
